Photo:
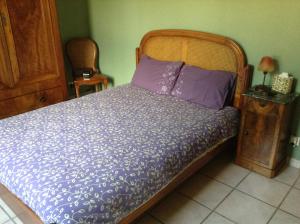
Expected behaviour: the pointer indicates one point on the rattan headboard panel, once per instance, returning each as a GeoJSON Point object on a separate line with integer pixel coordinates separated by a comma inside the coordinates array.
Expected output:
{"type": "Point", "coordinates": [197, 52]}
{"type": "Point", "coordinates": [200, 49]}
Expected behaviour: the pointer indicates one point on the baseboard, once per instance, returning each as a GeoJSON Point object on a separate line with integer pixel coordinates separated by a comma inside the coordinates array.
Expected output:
{"type": "Point", "coordinates": [294, 163]}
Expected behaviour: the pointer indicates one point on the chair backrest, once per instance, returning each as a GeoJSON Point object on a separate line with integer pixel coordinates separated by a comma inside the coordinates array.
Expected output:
{"type": "Point", "coordinates": [82, 54]}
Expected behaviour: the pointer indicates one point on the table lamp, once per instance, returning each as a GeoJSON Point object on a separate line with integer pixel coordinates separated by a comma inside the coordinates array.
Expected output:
{"type": "Point", "coordinates": [266, 65]}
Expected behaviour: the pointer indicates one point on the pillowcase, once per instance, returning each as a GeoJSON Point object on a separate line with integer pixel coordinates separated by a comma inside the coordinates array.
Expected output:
{"type": "Point", "coordinates": [209, 88]}
{"type": "Point", "coordinates": [156, 76]}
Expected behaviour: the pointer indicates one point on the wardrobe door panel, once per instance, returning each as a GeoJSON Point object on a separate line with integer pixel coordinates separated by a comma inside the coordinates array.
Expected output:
{"type": "Point", "coordinates": [9, 71]}
{"type": "Point", "coordinates": [33, 39]}
{"type": "Point", "coordinates": [31, 59]}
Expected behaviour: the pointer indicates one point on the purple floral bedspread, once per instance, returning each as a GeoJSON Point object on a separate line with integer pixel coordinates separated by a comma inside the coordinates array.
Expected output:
{"type": "Point", "coordinates": [96, 158]}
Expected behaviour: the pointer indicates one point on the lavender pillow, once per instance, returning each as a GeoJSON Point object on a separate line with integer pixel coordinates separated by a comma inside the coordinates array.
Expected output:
{"type": "Point", "coordinates": [157, 76]}
{"type": "Point", "coordinates": [209, 88]}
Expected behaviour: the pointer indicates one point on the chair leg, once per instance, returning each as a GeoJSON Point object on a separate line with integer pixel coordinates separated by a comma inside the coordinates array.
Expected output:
{"type": "Point", "coordinates": [105, 83]}
{"type": "Point", "coordinates": [97, 87]}
{"type": "Point", "coordinates": [77, 90]}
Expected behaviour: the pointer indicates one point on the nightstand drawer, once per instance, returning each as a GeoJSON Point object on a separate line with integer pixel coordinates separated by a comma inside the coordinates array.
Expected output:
{"type": "Point", "coordinates": [262, 107]}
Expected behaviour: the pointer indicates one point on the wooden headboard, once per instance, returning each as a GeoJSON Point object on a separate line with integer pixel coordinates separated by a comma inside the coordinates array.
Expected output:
{"type": "Point", "coordinates": [205, 50]}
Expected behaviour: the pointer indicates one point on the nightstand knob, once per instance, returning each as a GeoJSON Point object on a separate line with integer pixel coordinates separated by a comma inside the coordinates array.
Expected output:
{"type": "Point", "coordinates": [246, 132]}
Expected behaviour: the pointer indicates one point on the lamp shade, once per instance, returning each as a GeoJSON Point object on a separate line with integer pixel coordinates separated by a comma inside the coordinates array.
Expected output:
{"type": "Point", "coordinates": [266, 64]}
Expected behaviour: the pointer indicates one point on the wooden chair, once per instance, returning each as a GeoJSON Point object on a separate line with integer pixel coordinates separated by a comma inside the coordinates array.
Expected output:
{"type": "Point", "coordinates": [83, 54]}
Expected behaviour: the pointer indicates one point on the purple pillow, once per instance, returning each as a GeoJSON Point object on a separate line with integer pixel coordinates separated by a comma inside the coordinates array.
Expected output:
{"type": "Point", "coordinates": [209, 88]}
{"type": "Point", "coordinates": [157, 76]}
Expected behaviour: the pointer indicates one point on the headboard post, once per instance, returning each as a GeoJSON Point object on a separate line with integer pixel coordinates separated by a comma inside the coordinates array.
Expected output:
{"type": "Point", "coordinates": [247, 77]}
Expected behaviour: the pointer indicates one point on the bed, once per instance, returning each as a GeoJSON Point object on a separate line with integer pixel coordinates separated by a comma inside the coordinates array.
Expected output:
{"type": "Point", "coordinates": [109, 156]}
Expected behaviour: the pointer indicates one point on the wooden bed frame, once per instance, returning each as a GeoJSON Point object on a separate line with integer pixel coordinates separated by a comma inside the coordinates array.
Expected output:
{"type": "Point", "coordinates": [200, 49]}
{"type": "Point", "coordinates": [205, 50]}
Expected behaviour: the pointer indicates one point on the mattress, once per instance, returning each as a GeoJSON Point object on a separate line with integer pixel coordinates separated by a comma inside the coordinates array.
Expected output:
{"type": "Point", "coordinates": [96, 158]}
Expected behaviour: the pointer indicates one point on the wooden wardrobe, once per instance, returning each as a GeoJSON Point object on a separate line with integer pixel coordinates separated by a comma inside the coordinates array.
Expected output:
{"type": "Point", "coordinates": [32, 73]}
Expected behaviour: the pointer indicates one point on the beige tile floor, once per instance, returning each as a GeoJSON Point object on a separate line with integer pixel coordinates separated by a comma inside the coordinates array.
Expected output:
{"type": "Point", "coordinates": [14, 212]}
{"type": "Point", "coordinates": [224, 193]}
{"type": "Point", "coordinates": [220, 193]}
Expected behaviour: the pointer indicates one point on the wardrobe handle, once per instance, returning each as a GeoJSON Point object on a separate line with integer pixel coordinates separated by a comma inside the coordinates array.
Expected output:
{"type": "Point", "coordinates": [43, 99]}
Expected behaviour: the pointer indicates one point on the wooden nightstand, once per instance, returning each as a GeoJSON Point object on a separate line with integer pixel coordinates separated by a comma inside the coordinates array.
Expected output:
{"type": "Point", "coordinates": [264, 132]}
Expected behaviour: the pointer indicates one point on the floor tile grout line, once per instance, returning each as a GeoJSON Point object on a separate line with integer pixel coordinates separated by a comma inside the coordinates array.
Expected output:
{"type": "Point", "coordinates": [279, 181]}
{"type": "Point", "coordinates": [192, 199]}
{"type": "Point", "coordinates": [157, 219]}
{"type": "Point", "coordinates": [13, 220]}
{"type": "Point", "coordinates": [232, 189]}
{"type": "Point", "coordinates": [229, 193]}
{"type": "Point", "coordinates": [10, 218]}
{"type": "Point", "coordinates": [267, 203]}
{"type": "Point", "coordinates": [199, 203]}
{"type": "Point", "coordinates": [211, 210]}
{"type": "Point", "coordinates": [234, 222]}
{"type": "Point", "coordinates": [295, 181]}
{"type": "Point", "coordinates": [236, 188]}
{"type": "Point", "coordinates": [278, 207]}
{"type": "Point", "coordinates": [289, 213]}
{"type": "Point", "coordinates": [224, 182]}
{"type": "Point", "coordinates": [189, 197]}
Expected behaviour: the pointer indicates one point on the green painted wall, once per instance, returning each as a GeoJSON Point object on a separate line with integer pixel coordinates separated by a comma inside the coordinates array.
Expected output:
{"type": "Point", "coordinates": [73, 18]}
{"type": "Point", "coordinates": [262, 27]}
{"type": "Point", "coordinates": [74, 22]}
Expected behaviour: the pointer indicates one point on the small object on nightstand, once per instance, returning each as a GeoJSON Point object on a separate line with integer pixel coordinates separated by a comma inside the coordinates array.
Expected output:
{"type": "Point", "coordinates": [266, 65]}
{"type": "Point", "coordinates": [87, 75]}
{"type": "Point", "coordinates": [264, 131]}
{"type": "Point", "coordinates": [282, 83]}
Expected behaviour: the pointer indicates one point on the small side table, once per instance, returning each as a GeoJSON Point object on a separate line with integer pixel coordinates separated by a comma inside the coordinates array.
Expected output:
{"type": "Point", "coordinates": [95, 80]}
{"type": "Point", "coordinates": [264, 132]}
